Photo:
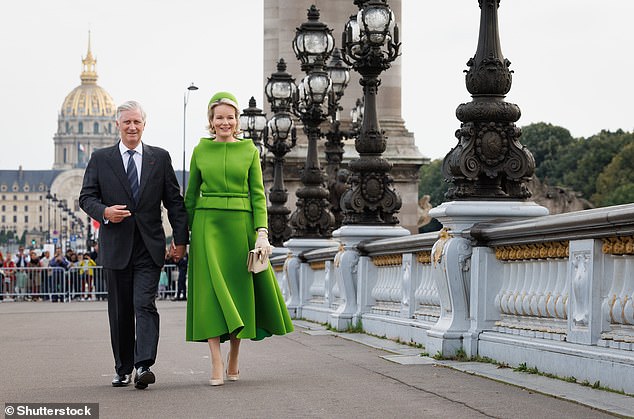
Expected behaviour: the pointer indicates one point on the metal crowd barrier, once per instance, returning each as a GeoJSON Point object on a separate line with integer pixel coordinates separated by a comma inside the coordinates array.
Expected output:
{"type": "Point", "coordinates": [78, 283]}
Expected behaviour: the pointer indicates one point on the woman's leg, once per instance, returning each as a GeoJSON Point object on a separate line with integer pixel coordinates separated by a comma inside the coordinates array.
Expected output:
{"type": "Point", "coordinates": [232, 367]}
{"type": "Point", "coordinates": [217, 372]}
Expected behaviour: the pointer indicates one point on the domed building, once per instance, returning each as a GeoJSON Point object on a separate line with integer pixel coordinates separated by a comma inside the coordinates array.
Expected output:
{"type": "Point", "coordinates": [86, 120]}
{"type": "Point", "coordinates": [43, 204]}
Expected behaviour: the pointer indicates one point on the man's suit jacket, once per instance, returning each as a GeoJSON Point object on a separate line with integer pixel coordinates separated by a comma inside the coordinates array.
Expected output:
{"type": "Point", "coordinates": [106, 183]}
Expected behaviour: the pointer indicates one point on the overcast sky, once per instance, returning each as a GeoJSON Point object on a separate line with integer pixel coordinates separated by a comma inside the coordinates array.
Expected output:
{"type": "Point", "coordinates": [571, 59]}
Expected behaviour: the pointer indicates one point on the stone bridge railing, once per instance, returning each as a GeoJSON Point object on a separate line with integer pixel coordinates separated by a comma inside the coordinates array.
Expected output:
{"type": "Point", "coordinates": [554, 292]}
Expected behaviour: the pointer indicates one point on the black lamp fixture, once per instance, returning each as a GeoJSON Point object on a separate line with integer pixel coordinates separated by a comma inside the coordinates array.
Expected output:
{"type": "Point", "coordinates": [489, 162]}
{"type": "Point", "coordinates": [313, 44]}
{"type": "Point", "coordinates": [370, 44]}
{"type": "Point", "coordinates": [280, 90]}
{"type": "Point", "coordinates": [339, 74]}
{"type": "Point", "coordinates": [253, 123]}
{"type": "Point", "coordinates": [49, 198]}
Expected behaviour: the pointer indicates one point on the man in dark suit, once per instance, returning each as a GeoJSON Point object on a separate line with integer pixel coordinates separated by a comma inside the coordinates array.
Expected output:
{"type": "Point", "coordinates": [123, 187]}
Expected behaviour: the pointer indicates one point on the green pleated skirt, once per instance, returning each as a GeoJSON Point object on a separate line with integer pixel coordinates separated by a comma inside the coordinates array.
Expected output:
{"type": "Point", "coordinates": [224, 298]}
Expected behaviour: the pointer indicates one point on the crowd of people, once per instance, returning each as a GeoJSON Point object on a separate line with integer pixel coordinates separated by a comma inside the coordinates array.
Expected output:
{"type": "Point", "coordinates": [35, 275]}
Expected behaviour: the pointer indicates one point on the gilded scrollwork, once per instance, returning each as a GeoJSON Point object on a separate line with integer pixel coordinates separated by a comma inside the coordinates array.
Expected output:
{"type": "Point", "coordinates": [423, 257]}
{"type": "Point", "coordinates": [388, 260]}
{"type": "Point", "coordinates": [533, 251]}
{"type": "Point", "coordinates": [623, 245]}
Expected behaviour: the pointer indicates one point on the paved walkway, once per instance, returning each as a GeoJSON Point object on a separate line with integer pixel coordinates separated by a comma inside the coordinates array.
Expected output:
{"type": "Point", "coordinates": [61, 353]}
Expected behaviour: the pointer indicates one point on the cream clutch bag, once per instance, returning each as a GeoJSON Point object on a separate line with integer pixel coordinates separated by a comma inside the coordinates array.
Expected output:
{"type": "Point", "coordinates": [257, 261]}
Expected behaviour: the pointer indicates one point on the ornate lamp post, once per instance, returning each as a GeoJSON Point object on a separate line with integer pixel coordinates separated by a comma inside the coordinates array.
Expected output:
{"type": "Point", "coordinates": [370, 44]}
{"type": "Point", "coordinates": [280, 90]}
{"type": "Point", "coordinates": [253, 123]}
{"type": "Point", "coordinates": [190, 88]}
{"type": "Point", "coordinates": [54, 201]}
{"type": "Point", "coordinates": [339, 73]}
{"type": "Point", "coordinates": [49, 197]}
{"type": "Point", "coordinates": [88, 234]}
{"type": "Point", "coordinates": [489, 162]}
{"type": "Point", "coordinates": [312, 44]}
{"type": "Point", "coordinates": [61, 207]}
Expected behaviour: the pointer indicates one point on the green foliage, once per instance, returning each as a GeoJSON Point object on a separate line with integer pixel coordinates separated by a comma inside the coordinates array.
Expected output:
{"type": "Point", "coordinates": [356, 328]}
{"type": "Point", "coordinates": [578, 163]}
{"type": "Point", "coordinates": [461, 355]}
{"type": "Point", "coordinates": [598, 167]}
{"type": "Point", "coordinates": [433, 183]}
{"type": "Point", "coordinates": [8, 236]}
{"type": "Point", "coordinates": [548, 143]}
{"type": "Point", "coordinates": [615, 184]}
{"type": "Point", "coordinates": [594, 155]}
{"type": "Point", "coordinates": [524, 368]}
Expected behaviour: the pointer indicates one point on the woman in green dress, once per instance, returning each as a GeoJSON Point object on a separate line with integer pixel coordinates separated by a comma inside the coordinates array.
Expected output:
{"type": "Point", "coordinates": [227, 215]}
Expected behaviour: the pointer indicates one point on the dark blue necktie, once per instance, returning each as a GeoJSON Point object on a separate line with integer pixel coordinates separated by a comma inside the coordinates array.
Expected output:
{"type": "Point", "coordinates": [133, 177]}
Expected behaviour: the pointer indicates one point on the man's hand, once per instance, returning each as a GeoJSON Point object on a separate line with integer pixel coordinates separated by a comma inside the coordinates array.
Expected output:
{"type": "Point", "coordinates": [116, 213]}
{"type": "Point", "coordinates": [177, 251]}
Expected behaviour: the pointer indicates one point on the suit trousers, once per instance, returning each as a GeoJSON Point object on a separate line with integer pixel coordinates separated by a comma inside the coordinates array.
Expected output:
{"type": "Point", "coordinates": [134, 319]}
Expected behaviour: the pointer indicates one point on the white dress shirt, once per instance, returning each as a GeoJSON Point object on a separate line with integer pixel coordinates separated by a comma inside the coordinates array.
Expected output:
{"type": "Point", "coordinates": [138, 157]}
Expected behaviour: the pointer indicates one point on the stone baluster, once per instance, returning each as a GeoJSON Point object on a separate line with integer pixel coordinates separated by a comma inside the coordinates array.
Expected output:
{"type": "Point", "coordinates": [514, 307]}
{"type": "Point", "coordinates": [560, 294]}
{"type": "Point", "coordinates": [546, 295]}
{"type": "Point", "coordinates": [521, 306]}
{"type": "Point", "coordinates": [328, 280]}
{"type": "Point", "coordinates": [628, 307]}
{"type": "Point", "coordinates": [427, 293]}
{"type": "Point", "coordinates": [291, 276]}
{"type": "Point", "coordinates": [539, 283]}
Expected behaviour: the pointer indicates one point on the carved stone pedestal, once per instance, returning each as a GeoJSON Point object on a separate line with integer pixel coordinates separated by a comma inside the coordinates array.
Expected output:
{"type": "Point", "coordinates": [460, 321]}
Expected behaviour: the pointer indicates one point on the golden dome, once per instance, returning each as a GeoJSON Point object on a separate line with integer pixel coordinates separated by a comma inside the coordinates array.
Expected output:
{"type": "Point", "coordinates": [88, 99]}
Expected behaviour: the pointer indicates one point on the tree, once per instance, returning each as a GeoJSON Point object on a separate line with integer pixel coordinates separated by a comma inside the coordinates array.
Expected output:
{"type": "Point", "coordinates": [593, 155]}
{"type": "Point", "coordinates": [615, 185]}
{"type": "Point", "coordinates": [548, 143]}
{"type": "Point", "coordinates": [432, 182]}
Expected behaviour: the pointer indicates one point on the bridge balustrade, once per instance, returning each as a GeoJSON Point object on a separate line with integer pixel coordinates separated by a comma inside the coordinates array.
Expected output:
{"type": "Point", "coordinates": [555, 292]}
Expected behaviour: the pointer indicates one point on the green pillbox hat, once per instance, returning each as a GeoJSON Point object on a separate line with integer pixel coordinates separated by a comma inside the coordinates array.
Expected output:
{"type": "Point", "coordinates": [227, 96]}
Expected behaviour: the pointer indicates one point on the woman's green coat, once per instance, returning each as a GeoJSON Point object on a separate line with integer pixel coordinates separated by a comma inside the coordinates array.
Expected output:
{"type": "Point", "coordinates": [226, 204]}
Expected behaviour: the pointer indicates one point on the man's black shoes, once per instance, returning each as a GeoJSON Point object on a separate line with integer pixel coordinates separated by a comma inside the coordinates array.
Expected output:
{"type": "Point", "coordinates": [143, 378]}
{"type": "Point", "coordinates": [121, 380]}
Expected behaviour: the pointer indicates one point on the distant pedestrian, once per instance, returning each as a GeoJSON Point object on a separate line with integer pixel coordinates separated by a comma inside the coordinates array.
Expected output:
{"type": "Point", "coordinates": [9, 276]}
{"type": "Point", "coordinates": [59, 266]}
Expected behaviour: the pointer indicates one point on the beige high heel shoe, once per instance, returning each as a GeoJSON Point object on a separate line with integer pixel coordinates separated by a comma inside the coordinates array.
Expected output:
{"type": "Point", "coordinates": [216, 381]}
{"type": "Point", "coordinates": [231, 377]}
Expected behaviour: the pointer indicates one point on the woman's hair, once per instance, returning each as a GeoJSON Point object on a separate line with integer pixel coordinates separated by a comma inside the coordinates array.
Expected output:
{"type": "Point", "coordinates": [210, 115]}
{"type": "Point", "coordinates": [130, 105]}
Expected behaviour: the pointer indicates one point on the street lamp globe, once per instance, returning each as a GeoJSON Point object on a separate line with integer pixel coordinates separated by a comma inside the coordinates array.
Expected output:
{"type": "Point", "coordinates": [280, 88]}
{"type": "Point", "coordinates": [253, 123]}
{"type": "Point", "coordinates": [313, 40]}
{"type": "Point", "coordinates": [376, 22]}
{"type": "Point", "coordinates": [280, 126]}
{"type": "Point", "coordinates": [338, 72]}
{"type": "Point", "coordinates": [315, 86]}
{"type": "Point", "coordinates": [252, 120]}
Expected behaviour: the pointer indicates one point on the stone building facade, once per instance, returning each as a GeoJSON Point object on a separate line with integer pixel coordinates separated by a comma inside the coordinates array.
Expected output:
{"type": "Point", "coordinates": [86, 122]}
